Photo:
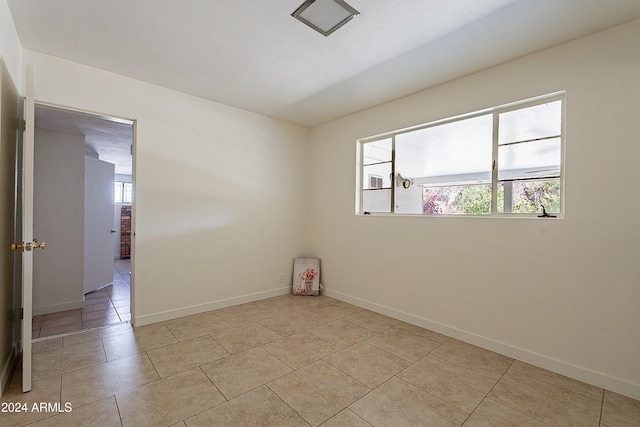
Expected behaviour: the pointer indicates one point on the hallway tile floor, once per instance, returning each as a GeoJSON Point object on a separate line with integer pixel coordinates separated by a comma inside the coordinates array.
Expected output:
{"type": "Point", "coordinates": [104, 306]}
{"type": "Point", "coordinates": [342, 366]}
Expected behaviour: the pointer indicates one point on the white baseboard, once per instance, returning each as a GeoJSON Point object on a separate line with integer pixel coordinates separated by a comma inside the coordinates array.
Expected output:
{"type": "Point", "coordinates": [7, 369]}
{"type": "Point", "coordinates": [54, 308]}
{"type": "Point", "coordinates": [579, 373]}
{"type": "Point", "coordinates": [208, 306]}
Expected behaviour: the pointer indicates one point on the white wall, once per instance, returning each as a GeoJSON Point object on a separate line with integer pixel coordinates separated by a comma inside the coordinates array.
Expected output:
{"type": "Point", "coordinates": [220, 198]}
{"type": "Point", "coordinates": [10, 47]}
{"type": "Point", "coordinates": [58, 220]}
{"type": "Point", "coordinates": [562, 294]}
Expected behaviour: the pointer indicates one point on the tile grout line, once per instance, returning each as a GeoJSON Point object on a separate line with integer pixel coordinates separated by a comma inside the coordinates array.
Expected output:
{"type": "Point", "coordinates": [601, 407]}
{"type": "Point", "coordinates": [118, 408]}
{"type": "Point", "coordinates": [289, 406]}
{"type": "Point", "coordinates": [490, 390]}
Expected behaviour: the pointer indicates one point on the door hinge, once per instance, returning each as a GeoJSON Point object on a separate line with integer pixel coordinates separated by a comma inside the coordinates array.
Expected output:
{"type": "Point", "coordinates": [21, 313]}
{"type": "Point", "coordinates": [24, 125]}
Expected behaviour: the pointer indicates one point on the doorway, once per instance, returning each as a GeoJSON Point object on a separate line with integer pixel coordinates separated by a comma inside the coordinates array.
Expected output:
{"type": "Point", "coordinates": [76, 297]}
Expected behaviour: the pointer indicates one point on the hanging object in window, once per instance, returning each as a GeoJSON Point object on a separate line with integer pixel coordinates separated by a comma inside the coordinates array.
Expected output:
{"type": "Point", "coordinates": [402, 181]}
{"type": "Point", "coordinates": [545, 214]}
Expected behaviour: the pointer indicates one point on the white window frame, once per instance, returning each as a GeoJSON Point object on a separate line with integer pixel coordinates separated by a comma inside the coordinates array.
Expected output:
{"type": "Point", "coordinates": [495, 111]}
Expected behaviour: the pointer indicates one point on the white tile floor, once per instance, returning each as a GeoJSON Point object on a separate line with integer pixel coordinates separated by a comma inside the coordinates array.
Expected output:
{"type": "Point", "coordinates": [105, 306]}
{"type": "Point", "coordinates": [342, 366]}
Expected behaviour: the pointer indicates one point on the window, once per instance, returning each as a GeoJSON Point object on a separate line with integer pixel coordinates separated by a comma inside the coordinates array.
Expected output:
{"type": "Point", "coordinates": [501, 161]}
{"type": "Point", "coordinates": [123, 192]}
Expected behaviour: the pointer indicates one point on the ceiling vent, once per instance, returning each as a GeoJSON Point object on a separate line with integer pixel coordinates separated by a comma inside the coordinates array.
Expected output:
{"type": "Point", "coordinates": [324, 16]}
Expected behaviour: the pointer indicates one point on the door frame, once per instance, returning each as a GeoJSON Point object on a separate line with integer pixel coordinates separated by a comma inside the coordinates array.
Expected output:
{"type": "Point", "coordinates": [134, 124]}
{"type": "Point", "coordinates": [27, 108]}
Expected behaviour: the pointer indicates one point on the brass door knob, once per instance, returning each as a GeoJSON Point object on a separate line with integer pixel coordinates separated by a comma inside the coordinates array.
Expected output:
{"type": "Point", "coordinates": [27, 246]}
{"type": "Point", "coordinates": [37, 245]}
{"type": "Point", "coordinates": [113, 230]}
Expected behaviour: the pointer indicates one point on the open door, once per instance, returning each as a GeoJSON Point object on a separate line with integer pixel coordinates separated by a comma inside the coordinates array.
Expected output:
{"type": "Point", "coordinates": [25, 244]}
{"type": "Point", "coordinates": [98, 223]}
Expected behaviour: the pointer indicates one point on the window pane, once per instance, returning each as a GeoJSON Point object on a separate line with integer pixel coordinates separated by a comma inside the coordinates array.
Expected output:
{"type": "Point", "coordinates": [117, 189]}
{"type": "Point", "coordinates": [530, 196]}
{"type": "Point", "coordinates": [457, 200]}
{"type": "Point", "coordinates": [376, 201]}
{"type": "Point", "coordinates": [377, 151]}
{"type": "Point", "coordinates": [408, 200]}
{"type": "Point", "coordinates": [128, 192]}
{"type": "Point", "coordinates": [382, 171]}
{"type": "Point", "coordinates": [535, 159]}
{"type": "Point", "coordinates": [539, 121]}
{"type": "Point", "coordinates": [450, 153]}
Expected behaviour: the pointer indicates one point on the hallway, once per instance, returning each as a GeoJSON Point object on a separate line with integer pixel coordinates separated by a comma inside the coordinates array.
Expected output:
{"type": "Point", "coordinates": [105, 306]}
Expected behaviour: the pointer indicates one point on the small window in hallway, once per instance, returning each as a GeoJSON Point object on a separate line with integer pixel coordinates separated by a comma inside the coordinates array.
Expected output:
{"type": "Point", "coordinates": [123, 192]}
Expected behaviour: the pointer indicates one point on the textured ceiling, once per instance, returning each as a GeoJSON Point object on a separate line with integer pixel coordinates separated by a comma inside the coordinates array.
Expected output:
{"type": "Point", "coordinates": [108, 137]}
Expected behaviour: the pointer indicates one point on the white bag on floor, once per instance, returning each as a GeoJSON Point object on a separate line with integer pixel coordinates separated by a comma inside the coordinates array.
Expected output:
{"type": "Point", "coordinates": [306, 276]}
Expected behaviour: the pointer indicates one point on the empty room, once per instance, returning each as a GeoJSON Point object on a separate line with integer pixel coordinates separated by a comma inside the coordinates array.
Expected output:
{"type": "Point", "coordinates": [464, 172]}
